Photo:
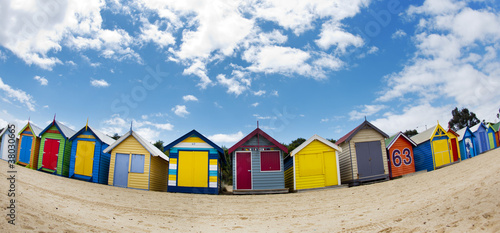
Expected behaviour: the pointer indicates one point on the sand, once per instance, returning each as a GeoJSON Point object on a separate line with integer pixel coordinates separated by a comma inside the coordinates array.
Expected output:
{"type": "Point", "coordinates": [464, 197]}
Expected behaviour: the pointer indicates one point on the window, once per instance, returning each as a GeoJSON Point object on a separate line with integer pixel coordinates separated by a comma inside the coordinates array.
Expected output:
{"type": "Point", "coordinates": [137, 164]}
{"type": "Point", "coordinates": [270, 161]}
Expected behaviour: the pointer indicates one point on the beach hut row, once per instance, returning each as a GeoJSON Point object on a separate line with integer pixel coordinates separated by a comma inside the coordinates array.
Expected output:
{"type": "Point", "coordinates": [192, 163]}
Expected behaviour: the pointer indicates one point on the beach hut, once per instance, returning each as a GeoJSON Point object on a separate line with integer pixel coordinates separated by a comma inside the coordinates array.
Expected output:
{"type": "Point", "coordinates": [29, 146]}
{"type": "Point", "coordinates": [88, 161]}
{"type": "Point", "coordinates": [432, 150]}
{"type": "Point", "coordinates": [313, 164]}
{"type": "Point", "coordinates": [492, 141]}
{"type": "Point", "coordinates": [258, 164]}
{"type": "Point", "coordinates": [195, 164]}
{"type": "Point", "coordinates": [454, 147]}
{"type": "Point", "coordinates": [400, 155]}
{"type": "Point", "coordinates": [364, 155]}
{"type": "Point", "coordinates": [137, 164]}
{"type": "Point", "coordinates": [480, 131]}
{"type": "Point", "coordinates": [496, 127]}
{"type": "Point", "coordinates": [7, 149]}
{"type": "Point", "coordinates": [467, 142]}
{"type": "Point", "coordinates": [55, 149]}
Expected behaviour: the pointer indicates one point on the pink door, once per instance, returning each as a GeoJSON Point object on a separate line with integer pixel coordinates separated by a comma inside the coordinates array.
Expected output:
{"type": "Point", "coordinates": [243, 170]}
{"type": "Point", "coordinates": [50, 152]}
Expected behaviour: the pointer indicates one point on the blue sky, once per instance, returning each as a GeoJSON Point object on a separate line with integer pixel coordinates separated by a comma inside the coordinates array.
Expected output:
{"type": "Point", "coordinates": [298, 67]}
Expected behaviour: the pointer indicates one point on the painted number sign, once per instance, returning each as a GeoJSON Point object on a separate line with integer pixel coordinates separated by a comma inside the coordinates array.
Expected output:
{"type": "Point", "coordinates": [398, 158]}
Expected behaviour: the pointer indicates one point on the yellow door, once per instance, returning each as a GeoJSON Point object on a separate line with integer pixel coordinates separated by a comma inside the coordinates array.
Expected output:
{"type": "Point", "coordinates": [84, 158]}
{"type": "Point", "coordinates": [193, 169]}
{"type": "Point", "coordinates": [441, 152]}
{"type": "Point", "coordinates": [330, 168]}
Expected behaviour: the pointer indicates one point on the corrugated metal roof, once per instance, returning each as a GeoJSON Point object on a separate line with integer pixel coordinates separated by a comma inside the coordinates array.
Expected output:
{"type": "Point", "coordinates": [253, 133]}
{"type": "Point", "coordinates": [36, 130]}
{"type": "Point", "coordinates": [65, 131]}
{"type": "Point", "coordinates": [424, 136]}
{"type": "Point", "coordinates": [148, 146]}
{"type": "Point", "coordinates": [461, 133]}
{"type": "Point", "coordinates": [103, 137]}
{"type": "Point", "coordinates": [353, 132]}
{"type": "Point", "coordinates": [476, 127]}
{"type": "Point", "coordinates": [312, 139]}
{"type": "Point", "coordinates": [496, 126]}
{"type": "Point", "coordinates": [389, 142]}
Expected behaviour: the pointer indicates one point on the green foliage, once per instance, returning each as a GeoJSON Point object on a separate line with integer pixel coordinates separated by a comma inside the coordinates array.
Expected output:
{"type": "Point", "coordinates": [332, 140]}
{"type": "Point", "coordinates": [462, 118]}
{"type": "Point", "coordinates": [294, 144]}
{"type": "Point", "coordinates": [410, 133]}
{"type": "Point", "coordinates": [159, 144]}
{"type": "Point", "coordinates": [115, 136]}
{"type": "Point", "coordinates": [227, 171]}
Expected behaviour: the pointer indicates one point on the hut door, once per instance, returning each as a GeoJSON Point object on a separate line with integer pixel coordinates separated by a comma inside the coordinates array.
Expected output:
{"type": "Point", "coordinates": [482, 140]}
{"type": "Point", "coordinates": [370, 160]}
{"type": "Point", "coordinates": [441, 152]}
{"type": "Point", "coordinates": [121, 170]}
{"type": "Point", "coordinates": [454, 149]}
{"type": "Point", "coordinates": [25, 151]}
{"type": "Point", "coordinates": [243, 170]}
{"type": "Point", "coordinates": [492, 140]}
{"type": "Point", "coordinates": [84, 158]}
{"type": "Point", "coordinates": [193, 169]}
{"type": "Point", "coordinates": [50, 153]}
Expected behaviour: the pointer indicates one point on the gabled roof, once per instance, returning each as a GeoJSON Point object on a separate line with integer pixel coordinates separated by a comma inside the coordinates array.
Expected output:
{"type": "Point", "coordinates": [462, 131]}
{"type": "Point", "coordinates": [103, 137]}
{"type": "Point", "coordinates": [172, 144]}
{"type": "Point", "coordinates": [65, 130]}
{"type": "Point", "coordinates": [3, 130]}
{"type": "Point", "coordinates": [253, 133]}
{"type": "Point", "coordinates": [476, 127]}
{"type": "Point", "coordinates": [496, 126]}
{"type": "Point", "coordinates": [394, 138]}
{"type": "Point", "coordinates": [34, 129]}
{"type": "Point", "coordinates": [453, 132]}
{"type": "Point", "coordinates": [148, 146]}
{"type": "Point", "coordinates": [427, 134]}
{"type": "Point", "coordinates": [312, 139]}
{"type": "Point", "coordinates": [353, 132]}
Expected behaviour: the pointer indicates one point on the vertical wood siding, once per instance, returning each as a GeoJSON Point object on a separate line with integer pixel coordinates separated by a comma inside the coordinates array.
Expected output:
{"type": "Point", "coordinates": [317, 158]}
{"type": "Point", "coordinates": [289, 173]}
{"type": "Point", "coordinates": [403, 169]}
{"type": "Point", "coordinates": [345, 161]}
{"type": "Point", "coordinates": [159, 173]}
{"type": "Point", "coordinates": [423, 157]}
{"type": "Point", "coordinates": [63, 157]}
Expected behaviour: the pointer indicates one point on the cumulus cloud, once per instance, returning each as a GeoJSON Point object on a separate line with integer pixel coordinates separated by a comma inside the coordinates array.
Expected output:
{"type": "Point", "coordinates": [99, 83]}
{"type": "Point", "coordinates": [398, 34]}
{"type": "Point", "coordinates": [235, 85]}
{"type": "Point", "coordinates": [367, 110]}
{"type": "Point", "coordinates": [147, 129]}
{"type": "Point", "coordinates": [43, 81]}
{"type": "Point", "coordinates": [17, 95]}
{"type": "Point", "coordinates": [187, 98]}
{"type": "Point", "coordinates": [226, 138]}
{"type": "Point", "coordinates": [255, 104]}
{"type": "Point", "coordinates": [180, 110]}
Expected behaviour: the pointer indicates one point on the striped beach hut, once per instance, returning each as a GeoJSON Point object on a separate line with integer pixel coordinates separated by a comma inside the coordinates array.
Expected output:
{"type": "Point", "coordinates": [432, 150]}
{"type": "Point", "coordinates": [195, 164]}
{"type": "Point", "coordinates": [481, 133]}
{"type": "Point", "coordinates": [88, 161]}
{"type": "Point", "coordinates": [29, 146]}
{"type": "Point", "coordinates": [497, 133]}
{"type": "Point", "coordinates": [467, 142]}
{"type": "Point", "coordinates": [7, 136]}
{"type": "Point", "coordinates": [313, 164]}
{"type": "Point", "coordinates": [454, 147]}
{"type": "Point", "coordinates": [364, 155]}
{"type": "Point", "coordinates": [492, 141]}
{"type": "Point", "coordinates": [55, 149]}
{"type": "Point", "coordinates": [258, 164]}
{"type": "Point", "coordinates": [400, 155]}
{"type": "Point", "coordinates": [135, 163]}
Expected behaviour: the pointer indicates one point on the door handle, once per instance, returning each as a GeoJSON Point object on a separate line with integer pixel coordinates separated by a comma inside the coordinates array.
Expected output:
{"type": "Point", "coordinates": [249, 170]}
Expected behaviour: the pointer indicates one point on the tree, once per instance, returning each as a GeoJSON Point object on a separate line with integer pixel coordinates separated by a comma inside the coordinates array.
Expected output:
{"type": "Point", "coordinates": [332, 140]}
{"type": "Point", "coordinates": [410, 133]}
{"type": "Point", "coordinates": [115, 136]}
{"type": "Point", "coordinates": [159, 144]}
{"type": "Point", "coordinates": [295, 143]}
{"type": "Point", "coordinates": [227, 172]}
{"type": "Point", "coordinates": [462, 118]}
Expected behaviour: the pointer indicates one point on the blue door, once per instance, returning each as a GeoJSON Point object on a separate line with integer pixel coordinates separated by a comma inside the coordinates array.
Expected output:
{"type": "Point", "coordinates": [482, 140]}
{"type": "Point", "coordinates": [121, 170]}
{"type": "Point", "coordinates": [25, 152]}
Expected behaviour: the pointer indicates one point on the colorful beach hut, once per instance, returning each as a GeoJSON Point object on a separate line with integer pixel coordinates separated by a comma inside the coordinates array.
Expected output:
{"type": "Point", "coordinates": [88, 161]}
{"type": "Point", "coordinates": [481, 133]}
{"type": "Point", "coordinates": [195, 164]}
{"type": "Point", "coordinates": [453, 144]}
{"type": "Point", "coordinates": [313, 164]}
{"type": "Point", "coordinates": [137, 164]}
{"type": "Point", "coordinates": [29, 146]}
{"type": "Point", "coordinates": [400, 155]}
{"type": "Point", "coordinates": [432, 150]}
{"type": "Point", "coordinates": [467, 142]}
{"type": "Point", "coordinates": [55, 149]}
{"type": "Point", "coordinates": [258, 164]}
{"type": "Point", "coordinates": [7, 135]}
{"type": "Point", "coordinates": [497, 133]}
{"type": "Point", "coordinates": [492, 141]}
{"type": "Point", "coordinates": [364, 155]}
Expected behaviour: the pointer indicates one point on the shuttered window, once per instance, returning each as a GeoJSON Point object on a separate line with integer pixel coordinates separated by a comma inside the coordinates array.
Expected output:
{"type": "Point", "coordinates": [270, 161]}
{"type": "Point", "coordinates": [137, 164]}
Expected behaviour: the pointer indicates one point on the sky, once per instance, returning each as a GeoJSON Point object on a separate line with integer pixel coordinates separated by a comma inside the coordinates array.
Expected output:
{"type": "Point", "coordinates": [297, 67]}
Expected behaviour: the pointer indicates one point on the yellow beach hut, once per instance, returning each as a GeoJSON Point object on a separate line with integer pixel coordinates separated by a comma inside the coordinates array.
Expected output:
{"type": "Point", "coordinates": [136, 163]}
{"type": "Point", "coordinates": [314, 164]}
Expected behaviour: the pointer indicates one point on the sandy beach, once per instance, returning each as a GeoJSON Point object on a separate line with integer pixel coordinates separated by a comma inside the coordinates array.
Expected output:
{"type": "Point", "coordinates": [464, 197]}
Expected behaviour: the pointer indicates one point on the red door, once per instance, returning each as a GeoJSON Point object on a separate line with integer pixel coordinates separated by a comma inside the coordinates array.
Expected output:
{"type": "Point", "coordinates": [454, 148]}
{"type": "Point", "coordinates": [50, 152]}
{"type": "Point", "coordinates": [243, 170]}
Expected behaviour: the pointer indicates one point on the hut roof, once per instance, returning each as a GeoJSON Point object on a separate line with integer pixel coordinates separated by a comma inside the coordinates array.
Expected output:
{"type": "Point", "coordinates": [424, 136]}
{"type": "Point", "coordinates": [253, 133]}
{"type": "Point", "coordinates": [312, 139]}
{"type": "Point", "coordinates": [103, 137]}
{"type": "Point", "coordinates": [196, 133]}
{"type": "Point", "coordinates": [65, 130]}
{"type": "Point", "coordinates": [353, 132]}
{"type": "Point", "coordinates": [496, 126]}
{"type": "Point", "coordinates": [148, 146]}
{"type": "Point", "coordinates": [390, 141]}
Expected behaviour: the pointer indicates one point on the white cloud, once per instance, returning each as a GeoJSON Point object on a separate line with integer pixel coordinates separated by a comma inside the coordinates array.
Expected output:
{"type": "Point", "coordinates": [234, 85]}
{"type": "Point", "coordinates": [333, 35]}
{"type": "Point", "coordinates": [199, 69]}
{"type": "Point", "coordinates": [148, 134]}
{"type": "Point", "coordinates": [18, 95]}
{"type": "Point", "coordinates": [226, 138]}
{"type": "Point", "coordinates": [147, 129]}
{"type": "Point", "coordinates": [99, 83]}
{"type": "Point", "coordinates": [152, 33]}
{"type": "Point", "coordinates": [180, 110]}
{"type": "Point", "coordinates": [46, 106]}
{"type": "Point", "coordinates": [398, 34]}
{"type": "Point", "coordinates": [259, 117]}
{"type": "Point", "coordinates": [43, 81]}
{"type": "Point", "coordinates": [255, 104]}
{"type": "Point", "coordinates": [259, 93]}
{"type": "Point", "coordinates": [275, 93]}
{"type": "Point", "coordinates": [277, 59]}
{"type": "Point", "coordinates": [217, 105]}
{"type": "Point", "coordinates": [187, 98]}
{"type": "Point", "coordinates": [367, 110]}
